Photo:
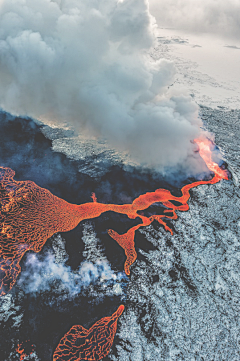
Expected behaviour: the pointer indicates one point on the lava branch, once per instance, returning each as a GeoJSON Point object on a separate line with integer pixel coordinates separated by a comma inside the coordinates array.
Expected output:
{"type": "Point", "coordinates": [29, 215]}
{"type": "Point", "coordinates": [93, 344]}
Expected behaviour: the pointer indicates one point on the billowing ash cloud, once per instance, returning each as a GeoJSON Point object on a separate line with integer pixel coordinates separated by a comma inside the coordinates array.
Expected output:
{"type": "Point", "coordinates": [87, 63]}
{"type": "Point", "coordinates": [219, 17]}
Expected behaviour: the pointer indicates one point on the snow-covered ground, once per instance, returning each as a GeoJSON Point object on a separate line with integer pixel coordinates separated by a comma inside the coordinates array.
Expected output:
{"type": "Point", "coordinates": [184, 296]}
{"type": "Point", "coordinates": [183, 299]}
{"type": "Point", "coordinates": [208, 66]}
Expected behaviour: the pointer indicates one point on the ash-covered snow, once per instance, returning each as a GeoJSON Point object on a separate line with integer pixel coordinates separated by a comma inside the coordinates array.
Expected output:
{"type": "Point", "coordinates": [184, 296]}
{"type": "Point", "coordinates": [95, 154]}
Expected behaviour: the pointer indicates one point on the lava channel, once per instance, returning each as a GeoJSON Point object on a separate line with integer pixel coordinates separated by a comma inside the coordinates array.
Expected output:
{"type": "Point", "coordinates": [29, 215]}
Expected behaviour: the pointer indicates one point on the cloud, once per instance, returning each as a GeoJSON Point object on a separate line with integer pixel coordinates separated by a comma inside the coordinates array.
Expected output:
{"type": "Point", "coordinates": [218, 17]}
{"type": "Point", "coordinates": [87, 63]}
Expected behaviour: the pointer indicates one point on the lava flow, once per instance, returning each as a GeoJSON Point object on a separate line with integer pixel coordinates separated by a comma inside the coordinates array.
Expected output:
{"type": "Point", "coordinates": [21, 350]}
{"type": "Point", "coordinates": [29, 215]}
{"type": "Point", "coordinates": [93, 344]}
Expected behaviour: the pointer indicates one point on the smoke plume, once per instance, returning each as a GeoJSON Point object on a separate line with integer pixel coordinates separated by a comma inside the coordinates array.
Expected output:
{"type": "Point", "coordinates": [88, 63]}
{"type": "Point", "coordinates": [218, 17]}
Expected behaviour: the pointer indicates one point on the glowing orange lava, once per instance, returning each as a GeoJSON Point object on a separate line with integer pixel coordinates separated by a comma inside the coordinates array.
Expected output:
{"type": "Point", "coordinates": [21, 351]}
{"type": "Point", "coordinates": [206, 153]}
{"type": "Point", "coordinates": [29, 215]}
{"type": "Point", "coordinates": [93, 344]}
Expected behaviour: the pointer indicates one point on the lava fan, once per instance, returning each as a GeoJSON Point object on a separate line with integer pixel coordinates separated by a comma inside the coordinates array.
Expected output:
{"type": "Point", "coordinates": [93, 344]}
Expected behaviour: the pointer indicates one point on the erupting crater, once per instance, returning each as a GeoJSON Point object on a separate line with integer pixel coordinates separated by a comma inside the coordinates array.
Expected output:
{"type": "Point", "coordinates": [29, 215]}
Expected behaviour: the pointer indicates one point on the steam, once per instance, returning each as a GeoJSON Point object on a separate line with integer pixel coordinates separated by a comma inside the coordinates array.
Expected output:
{"type": "Point", "coordinates": [218, 17]}
{"type": "Point", "coordinates": [49, 272]}
{"type": "Point", "coordinates": [46, 274]}
{"type": "Point", "coordinates": [87, 63]}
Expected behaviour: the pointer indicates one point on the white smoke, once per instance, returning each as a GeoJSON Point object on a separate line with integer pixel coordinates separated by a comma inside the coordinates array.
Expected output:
{"type": "Point", "coordinates": [50, 271]}
{"type": "Point", "coordinates": [42, 275]}
{"type": "Point", "coordinates": [87, 63]}
{"type": "Point", "coordinates": [213, 16]}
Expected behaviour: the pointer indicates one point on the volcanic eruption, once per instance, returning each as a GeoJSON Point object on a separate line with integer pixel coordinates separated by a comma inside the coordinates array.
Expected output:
{"type": "Point", "coordinates": [88, 65]}
{"type": "Point", "coordinates": [31, 214]}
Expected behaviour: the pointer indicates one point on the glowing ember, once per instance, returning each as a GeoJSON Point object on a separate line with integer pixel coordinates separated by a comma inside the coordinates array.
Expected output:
{"type": "Point", "coordinates": [93, 344]}
{"type": "Point", "coordinates": [30, 214]}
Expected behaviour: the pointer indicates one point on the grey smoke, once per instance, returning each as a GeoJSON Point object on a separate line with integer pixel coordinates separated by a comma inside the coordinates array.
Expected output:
{"type": "Point", "coordinates": [211, 16]}
{"type": "Point", "coordinates": [88, 64]}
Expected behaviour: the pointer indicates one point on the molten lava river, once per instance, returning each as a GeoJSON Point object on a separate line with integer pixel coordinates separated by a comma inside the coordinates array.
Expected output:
{"type": "Point", "coordinates": [30, 215]}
